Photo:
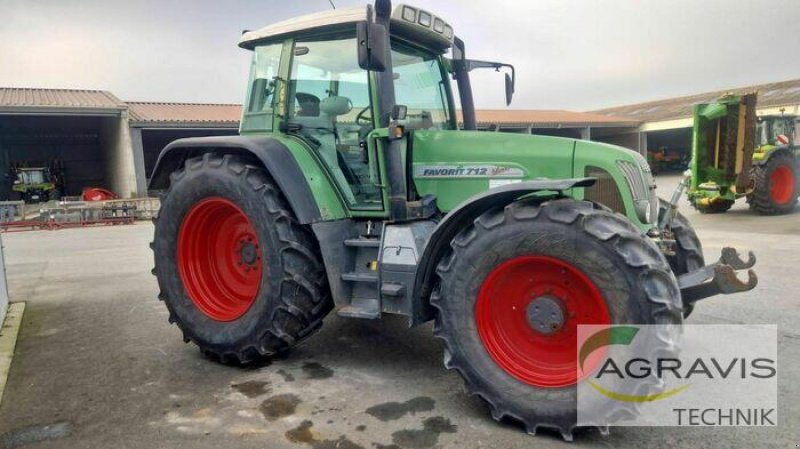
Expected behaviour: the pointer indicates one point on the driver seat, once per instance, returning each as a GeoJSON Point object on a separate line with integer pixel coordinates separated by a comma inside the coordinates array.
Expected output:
{"type": "Point", "coordinates": [319, 121]}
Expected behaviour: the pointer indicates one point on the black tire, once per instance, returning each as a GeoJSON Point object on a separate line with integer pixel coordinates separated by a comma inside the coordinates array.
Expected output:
{"type": "Point", "coordinates": [688, 249]}
{"type": "Point", "coordinates": [53, 195]}
{"type": "Point", "coordinates": [717, 207]}
{"type": "Point", "coordinates": [28, 197]}
{"type": "Point", "coordinates": [761, 199]}
{"type": "Point", "coordinates": [293, 296]}
{"type": "Point", "coordinates": [635, 280]}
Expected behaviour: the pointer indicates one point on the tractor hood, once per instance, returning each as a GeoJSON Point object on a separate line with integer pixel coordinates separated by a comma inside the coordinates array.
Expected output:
{"type": "Point", "coordinates": [455, 165]}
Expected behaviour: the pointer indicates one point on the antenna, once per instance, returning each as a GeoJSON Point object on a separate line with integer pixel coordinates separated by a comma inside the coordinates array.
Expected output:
{"type": "Point", "coordinates": [332, 5]}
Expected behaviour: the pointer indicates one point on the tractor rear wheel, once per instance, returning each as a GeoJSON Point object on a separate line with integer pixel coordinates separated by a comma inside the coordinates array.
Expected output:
{"type": "Point", "coordinates": [775, 185]}
{"type": "Point", "coordinates": [240, 276]}
{"type": "Point", "coordinates": [517, 283]}
{"type": "Point", "coordinates": [688, 249]}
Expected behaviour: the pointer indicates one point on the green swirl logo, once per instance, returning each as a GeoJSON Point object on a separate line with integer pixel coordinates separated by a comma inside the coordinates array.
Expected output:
{"type": "Point", "coordinates": [618, 335]}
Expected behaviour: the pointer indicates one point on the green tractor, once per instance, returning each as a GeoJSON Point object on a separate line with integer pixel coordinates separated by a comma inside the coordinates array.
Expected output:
{"type": "Point", "coordinates": [775, 166]}
{"type": "Point", "coordinates": [352, 188]}
{"type": "Point", "coordinates": [736, 154]}
{"type": "Point", "coordinates": [36, 184]}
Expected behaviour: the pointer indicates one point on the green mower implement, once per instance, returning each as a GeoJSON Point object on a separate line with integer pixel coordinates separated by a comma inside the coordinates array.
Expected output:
{"type": "Point", "coordinates": [736, 154]}
{"type": "Point", "coordinates": [352, 187]}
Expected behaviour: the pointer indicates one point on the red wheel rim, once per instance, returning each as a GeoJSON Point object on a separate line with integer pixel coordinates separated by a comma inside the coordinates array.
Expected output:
{"type": "Point", "coordinates": [219, 259]}
{"type": "Point", "coordinates": [541, 357]}
{"type": "Point", "coordinates": [782, 184]}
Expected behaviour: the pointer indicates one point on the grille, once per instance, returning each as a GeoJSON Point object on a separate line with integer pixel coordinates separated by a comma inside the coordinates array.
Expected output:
{"type": "Point", "coordinates": [634, 179]}
{"type": "Point", "coordinates": [605, 190]}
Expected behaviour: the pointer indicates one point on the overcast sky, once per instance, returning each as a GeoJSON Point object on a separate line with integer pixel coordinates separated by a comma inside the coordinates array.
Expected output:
{"type": "Point", "coordinates": [569, 54]}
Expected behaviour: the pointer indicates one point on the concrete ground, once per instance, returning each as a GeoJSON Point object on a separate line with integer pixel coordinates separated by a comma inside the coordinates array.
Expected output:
{"type": "Point", "coordinates": [97, 365]}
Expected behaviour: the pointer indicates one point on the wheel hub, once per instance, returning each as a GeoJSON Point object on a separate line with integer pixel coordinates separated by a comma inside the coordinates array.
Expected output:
{"type": "Point", "coordinates": [545, 314]}
{"type": "Point", "coordinates": [248, 253]}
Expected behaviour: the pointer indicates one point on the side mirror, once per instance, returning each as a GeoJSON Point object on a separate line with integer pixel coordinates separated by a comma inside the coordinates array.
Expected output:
{"type": "Point", "coordinates": [472, 64]}
{"type": "Point", "coordinates": [399, 112]}
{"type": "Point", "coordinates": [371, 41]}
{"type": "Point", "coordinates": [509, 89]}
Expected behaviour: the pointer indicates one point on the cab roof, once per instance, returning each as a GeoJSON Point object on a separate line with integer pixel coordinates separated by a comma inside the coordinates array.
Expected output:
{"type": "Point", "coordinates": [414, 23]}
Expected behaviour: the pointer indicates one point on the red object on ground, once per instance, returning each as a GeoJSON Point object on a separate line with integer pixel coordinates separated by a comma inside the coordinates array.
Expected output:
{"type": "Point", "coordinates": [97, 194]}
{"type": "Point", "coordinates": [219, 259]}
{"type": "Point", "coordinates": [508, 296]}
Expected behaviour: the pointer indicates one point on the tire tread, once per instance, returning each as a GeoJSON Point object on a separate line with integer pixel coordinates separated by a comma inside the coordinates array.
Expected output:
{"type": "Point", "coordinates": [304, 293]}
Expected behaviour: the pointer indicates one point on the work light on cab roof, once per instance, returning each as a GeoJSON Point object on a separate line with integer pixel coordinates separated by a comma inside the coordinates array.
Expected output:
{"type": "Point", "coordinates": [411, 22]}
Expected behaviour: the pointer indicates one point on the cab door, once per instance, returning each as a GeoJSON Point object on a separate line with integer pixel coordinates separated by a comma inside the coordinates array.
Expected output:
{"type": "Point", "coordinates": [329, 107]}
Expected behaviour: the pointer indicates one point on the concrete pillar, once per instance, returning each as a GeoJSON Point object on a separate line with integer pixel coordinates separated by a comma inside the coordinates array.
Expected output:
{"type": "Point", "coordinates": [138, 161]}
{"type": "Point", "coordinates": [120, 166]}
{"type": "Point", "coordinates": [643, 143]}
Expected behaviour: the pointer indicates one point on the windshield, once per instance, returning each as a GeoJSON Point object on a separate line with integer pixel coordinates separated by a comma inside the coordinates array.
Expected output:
{"type": "Point", "coordinates": [420, 84]}
{"type": "Point", "coordinates": [31, 176]}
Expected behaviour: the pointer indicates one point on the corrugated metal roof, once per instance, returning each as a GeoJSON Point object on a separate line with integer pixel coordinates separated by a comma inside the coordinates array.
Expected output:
{"type": "Point", "coordinates": [783, 93]}
{"type": "Point", "coordinates": [550, 118]}
{"type": "Point", "coordinates": [18, 97]}
{"type": "Point", "coordinates": [184, 113]}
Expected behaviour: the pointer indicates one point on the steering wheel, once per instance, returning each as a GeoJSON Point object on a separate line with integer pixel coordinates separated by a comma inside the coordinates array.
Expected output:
{"type": "Point", "coordinates": [361, 119]}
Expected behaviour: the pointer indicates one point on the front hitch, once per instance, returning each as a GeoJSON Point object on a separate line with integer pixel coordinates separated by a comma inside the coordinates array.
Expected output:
{"type": "Point", "coordinates": [718, 278]}
{"type": "Point", "coordinates": [666, 220]}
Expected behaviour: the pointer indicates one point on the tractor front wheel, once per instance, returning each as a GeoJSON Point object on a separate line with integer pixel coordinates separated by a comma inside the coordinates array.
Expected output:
{"type": "Point", "coordinates": [240, 276]}
{"type": "Point", "coordinates": [776, 185]}
{"type": "Point", "coordinates": [516, 285]}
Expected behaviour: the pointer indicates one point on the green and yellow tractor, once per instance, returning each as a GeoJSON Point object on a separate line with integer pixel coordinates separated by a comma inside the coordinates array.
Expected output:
{"type": "Point", "coordinates": [352, 187]}
{"type": "Point", "coordinates": [737, 154]}
{"type": "Point", "coordinates": [37, 184]}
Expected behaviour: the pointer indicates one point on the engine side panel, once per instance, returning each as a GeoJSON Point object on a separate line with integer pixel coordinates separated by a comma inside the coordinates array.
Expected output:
{"type": "Point", "coordinates": [455, 165]}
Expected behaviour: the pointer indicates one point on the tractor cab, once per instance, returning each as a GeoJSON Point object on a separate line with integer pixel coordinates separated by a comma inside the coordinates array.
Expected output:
{"type": "Point", "coordinates": [28, 176]}
{"type": "Point", "coordinates": [776, 131]}
{"type": "Point", "coordinates": [343, 85]}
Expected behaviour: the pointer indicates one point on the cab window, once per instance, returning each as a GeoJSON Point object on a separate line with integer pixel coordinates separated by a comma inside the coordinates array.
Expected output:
{"type": "Point", "coordinates": [258, 110]}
